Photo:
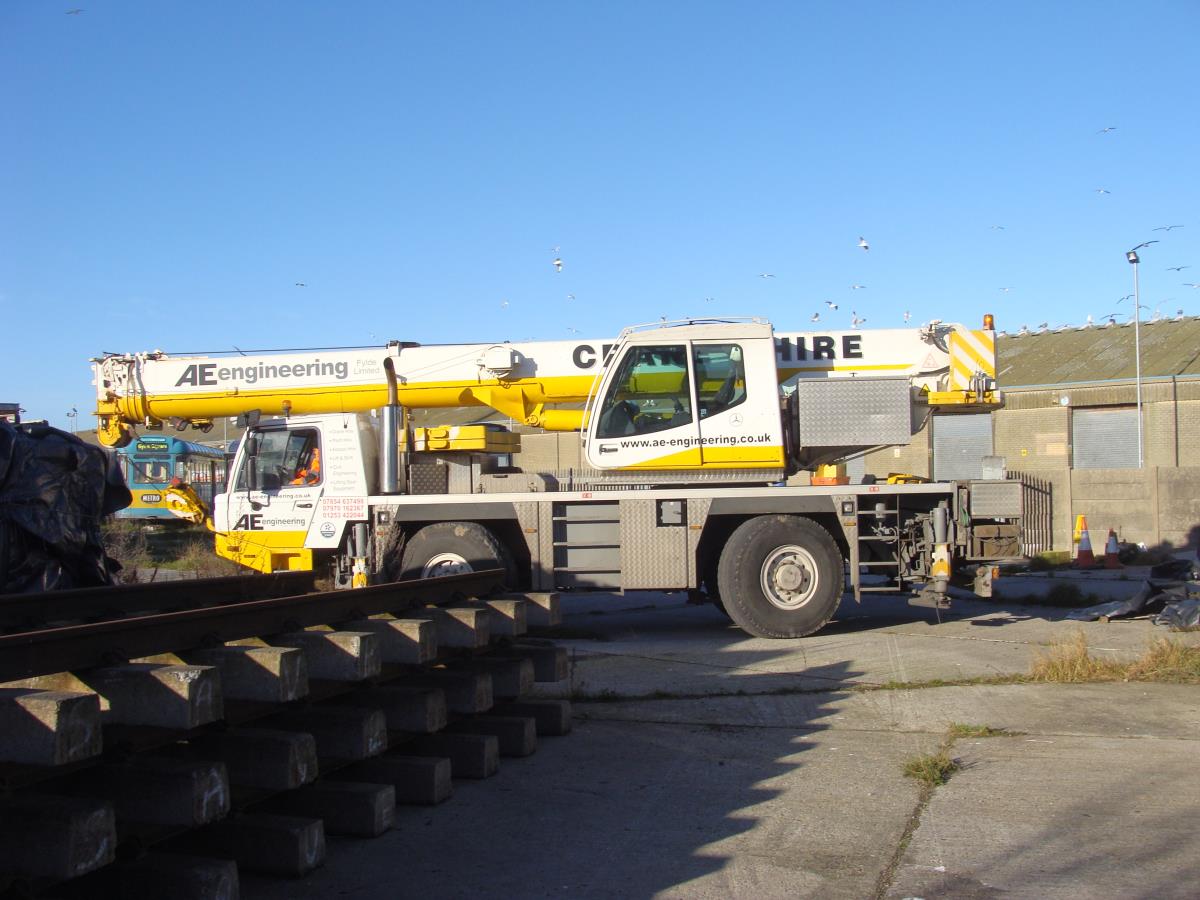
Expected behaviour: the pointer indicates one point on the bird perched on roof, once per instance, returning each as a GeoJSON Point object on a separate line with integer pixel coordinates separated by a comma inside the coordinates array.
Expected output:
{"type": "Point", "coordinates": [1043, 326]}
{"type": "Point", "coordinates": [862, 242]}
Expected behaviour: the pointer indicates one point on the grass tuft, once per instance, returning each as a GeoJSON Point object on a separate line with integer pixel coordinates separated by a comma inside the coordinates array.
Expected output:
{"type": "Point", "coordinates": [931, 769]}
{"type": "Point", "coordinates": [1164, 660]}
{"type": "Point", "coordinates": [1068, 661]}
{"type": "Point", "coordinates": [1167, 660]}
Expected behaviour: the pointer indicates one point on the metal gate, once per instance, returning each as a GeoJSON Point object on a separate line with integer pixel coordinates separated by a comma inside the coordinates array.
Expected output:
{"type": "Point", "coordinates": [1037, 520]}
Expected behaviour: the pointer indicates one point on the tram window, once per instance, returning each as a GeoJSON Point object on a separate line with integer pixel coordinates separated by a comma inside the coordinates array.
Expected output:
{"type": "Point", "coordinates": [151, 471]}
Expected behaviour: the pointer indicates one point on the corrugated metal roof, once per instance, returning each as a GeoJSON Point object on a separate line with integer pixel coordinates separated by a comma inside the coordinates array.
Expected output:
{"type": "Point", "coordinates": [1169, 347]}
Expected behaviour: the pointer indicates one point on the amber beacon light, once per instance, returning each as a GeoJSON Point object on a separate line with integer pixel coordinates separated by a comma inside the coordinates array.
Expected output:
{"type": "Point", "coordinates": [989, 322]}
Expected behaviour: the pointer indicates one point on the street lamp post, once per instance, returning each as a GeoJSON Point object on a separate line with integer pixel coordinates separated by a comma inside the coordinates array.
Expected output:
{"type": "Point", "coordinates": [1137, 345]}
{"type": "Point", "coordinates": [72, 415]}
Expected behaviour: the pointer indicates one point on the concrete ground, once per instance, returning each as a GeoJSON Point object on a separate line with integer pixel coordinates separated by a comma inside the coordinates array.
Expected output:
{"type": "Point", "coordinates": [711, 764]}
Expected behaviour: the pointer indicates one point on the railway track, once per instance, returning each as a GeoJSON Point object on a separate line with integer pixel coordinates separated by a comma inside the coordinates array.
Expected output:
{"type": "Point", "coordinates": [156, 738]}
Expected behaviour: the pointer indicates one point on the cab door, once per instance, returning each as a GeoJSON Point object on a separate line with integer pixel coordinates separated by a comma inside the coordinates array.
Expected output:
{"type": "Point", "coordinates": [645, 415]}
{"type": "Point", "coordinates": [268, 523]}
{"type": "Point", "coordinates": [737, 404]}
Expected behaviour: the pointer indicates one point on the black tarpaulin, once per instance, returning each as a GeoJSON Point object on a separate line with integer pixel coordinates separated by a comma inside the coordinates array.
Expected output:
{"type": "Point", "coordinates": [54, 492]}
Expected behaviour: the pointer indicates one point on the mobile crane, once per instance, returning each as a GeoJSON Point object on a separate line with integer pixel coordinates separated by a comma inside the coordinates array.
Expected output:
{"type": "Point", "coordinates": [688, 431]}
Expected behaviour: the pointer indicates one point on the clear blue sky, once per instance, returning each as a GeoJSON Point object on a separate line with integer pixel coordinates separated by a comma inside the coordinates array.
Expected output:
{"type": "Point", "coordinates": [170, 170]}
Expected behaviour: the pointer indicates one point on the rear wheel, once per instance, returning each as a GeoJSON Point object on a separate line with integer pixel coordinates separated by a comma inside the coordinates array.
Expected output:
{"type": "Point", "coordinates": [780, 576]}
{"type": "Point", "coordinates": [452, 548]}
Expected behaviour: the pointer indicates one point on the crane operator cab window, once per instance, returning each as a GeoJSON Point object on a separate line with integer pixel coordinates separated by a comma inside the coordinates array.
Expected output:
{"type": "Point", "coordinates": [650, 392]}
{"type": "Point", "coordinates": [284, 459]}
{"type": "Point", "coordinates": [720, 378]}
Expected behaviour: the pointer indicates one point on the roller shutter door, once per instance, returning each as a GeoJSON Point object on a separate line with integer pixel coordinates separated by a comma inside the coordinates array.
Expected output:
{"type": "Point", "coordinates": [960, 442]}
{"type": "Point", "coordinates": [1104, 438]}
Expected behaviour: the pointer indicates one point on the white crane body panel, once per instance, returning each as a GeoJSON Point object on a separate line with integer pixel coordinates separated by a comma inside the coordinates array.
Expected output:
{"type": "Point", "coordinates": [688, 431]}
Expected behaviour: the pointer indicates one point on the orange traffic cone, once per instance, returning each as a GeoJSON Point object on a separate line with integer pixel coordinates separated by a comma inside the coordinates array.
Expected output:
{"type": "Point", "coordinates": [1111, 551]}
{"type": "Point", "coordinates": [1084, 559]}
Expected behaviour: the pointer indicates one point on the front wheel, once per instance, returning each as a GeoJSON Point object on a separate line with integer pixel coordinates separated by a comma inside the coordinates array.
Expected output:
{"type": "Point", "coordinates": [452, 548]}
{"type": "Point", "coordinates": [780, 576]}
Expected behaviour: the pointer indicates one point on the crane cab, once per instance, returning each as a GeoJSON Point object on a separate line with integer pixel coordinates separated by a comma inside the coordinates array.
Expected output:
{"type": "Point", "coordinates": [689, 397]}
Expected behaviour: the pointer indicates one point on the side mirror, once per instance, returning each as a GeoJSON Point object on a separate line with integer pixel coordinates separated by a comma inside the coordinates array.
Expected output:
{"type": "Point", "coordinates": [250, 462]}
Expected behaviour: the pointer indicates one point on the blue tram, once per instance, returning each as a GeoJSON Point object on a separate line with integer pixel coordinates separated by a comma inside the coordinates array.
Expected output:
{"type": "Point", "coordinates": [151, 462]}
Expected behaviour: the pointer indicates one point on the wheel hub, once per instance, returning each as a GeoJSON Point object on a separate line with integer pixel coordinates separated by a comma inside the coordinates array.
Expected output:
{"type": "Point", "coordinates": [789, 577]}
{"type": "Point", "coordinates": [445, 564]}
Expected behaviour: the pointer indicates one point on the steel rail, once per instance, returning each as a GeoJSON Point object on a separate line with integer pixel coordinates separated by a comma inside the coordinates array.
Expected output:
{"type": "Point", "coordinates": [81, 604]}
{"type": "Point", "coordinates": [46, 651]}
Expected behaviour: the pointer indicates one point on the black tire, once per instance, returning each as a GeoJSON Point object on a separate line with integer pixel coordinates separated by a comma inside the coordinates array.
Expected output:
{"type": "Point", "coordinates": [446, 548]}
{"type": "Point", "coordinates": [781, 576]}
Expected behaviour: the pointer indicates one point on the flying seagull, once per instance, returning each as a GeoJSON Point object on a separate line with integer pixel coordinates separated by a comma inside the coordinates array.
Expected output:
{"type": "Point", "coordinates": [856, 320]}
{"type": "Point", "coordinates": [570, 296]}
{"type": "Point", "coordinates": [1191, 284]}
{"type": "Point", "coordinates": [816, 317]}
{"type": "Point", "coordinates": [557, 264]}
{"type": "Point", "coordinates": [301, 284]}
{"type": "Point", "coordinates": [504, 304]}
{"type": "Point", "coordinates": [1165, 227]}
{"type": "Point", "coordinates": [1177, 268]}
{"type": "Point", "coordinates": [1107, 130]}
{"type": "Point", "coordinates": [1143, 244]}
{"type": "Point", "coordinates": [74, 12]}
{"type": "Point", "coordinates": [1102, 191]}
{"type": "Point", "coordinates": [997, 227]}
{"type": "Point", "coordinates": [831, 304]}
{"type": "Point", "coordinates": [766, 275]}
{"type": "Point", "coordinates": [1005, 290]}
{"type": "Point", "coordinates": [907, 316]}
{"type": "Point", "coordinates": [862, 242]}
{"type": "Point", "coordinates": [856, 287]}
{"type": "Point", "coordinates": [1126, 297]}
